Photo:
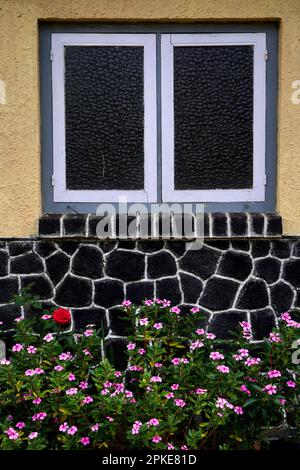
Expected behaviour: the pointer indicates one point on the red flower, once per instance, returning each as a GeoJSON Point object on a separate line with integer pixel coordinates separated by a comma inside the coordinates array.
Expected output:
{"type": "Point", "coordinates": [62, 316]}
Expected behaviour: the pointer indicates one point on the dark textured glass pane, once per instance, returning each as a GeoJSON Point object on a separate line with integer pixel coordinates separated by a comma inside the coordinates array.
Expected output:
{"type": "Point", "coordinates": [213, 110]}
{"type": "Point", "coordinates": [104, 99]}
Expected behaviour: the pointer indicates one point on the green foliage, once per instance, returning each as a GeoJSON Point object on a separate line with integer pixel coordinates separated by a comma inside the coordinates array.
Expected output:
{"type": "Point", "coordinates": [58, 392]}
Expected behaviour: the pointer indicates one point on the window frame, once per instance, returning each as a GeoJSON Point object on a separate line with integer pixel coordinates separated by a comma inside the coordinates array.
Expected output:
{"type": "Point", "coordinates": [148, 42]}
{"type": "Point", "coordinates": [257, 193]}
{"type": "Point", "coordinates": [46, 29]}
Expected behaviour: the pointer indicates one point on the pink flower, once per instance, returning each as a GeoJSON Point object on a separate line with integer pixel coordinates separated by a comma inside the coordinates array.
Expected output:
{"type": "Point", "coordinates": [195, 310]}
{"type": "Point", "coordinates": [20, 425]}
{"type": "Point", "coordinates": [275, 338]}
{"type": "Point", "coordinates": [72, 391]}
{"type": "Point", "coordinates": [216, 356]}
{"type": "Point", "coordinates": [175, 310]}
{"type": "Point", "coordinates": [144, 322]}
{"type": "Point", "coordinates": [39, 371]}
{"type": "Point", "coordinates": [158, 326]}
{"type": "Point", "coordinates": [148, 302]}
{"type": "Point", "coordinates": [88, 333]}
{"type": "Point", "coordinates": [221, 403]}
{"type": "Point", "coordinates": [17, 319]}
{"type": "Point", "coordinates": [245, 324]}
{"type": "Point", "coordinates": [153, 422]}
{"type": "Point", "coordinates": [128, 394]}
{"type": "Point", "coordinates": [4, 362]}
{"type": "Point", "coordinates": [200, 331]}
{"type": "Point", "coordinates": [201, 391]}
{"type": "Point", "coordinates": [184, 360]}
{"type": "Point", "coordinates": [31, 349]}
{"type": "Point", "coordinates": [72, 430]}
{"type": "Point", "coordinates": [126, 303]}
{"type": "Point", "coordinates": [156, 439]}
{"type": "Point", "coordinates": [131, 346]}
{"type": "Point", "coordinates": [176, 361]}
{"type": "Point", "coordinates": [65, 356]}
{"type": "Point", "coordinates": [166, 303]}
{"type": "Point", "coordinates": [285, 316]}
{"type": "Point", "coordinates": [156, 379]}
{"type": "Point", "coordinates": [291, 384]}
{"type": "Point", "coordinates": [63, 427]}
{"type": "Point", "coordinates": [252, 361]}
{"type": "Point", "coordinates": [274, 373]}
{"type": "Point", "coordinates": [46, 317]}
{"type": "Point", "coordinates": [118, 373]}
{"type": "Point", "coordinates": [87, 400]}
{"type": "Point", "coordinates": [158, 365]}
{"type": "Point", "coordinates": [17, 347]}
{"type": "Point", "coordinates": [170, 446]}
{"type": "Point", "coordinates": [58, 368]}
{"type": "Point", "coordinates": [136, 368]}
{"type": "Point", "coordinates": [83, 385]}
{"type": "Point", "coordinates": [136, 427]}
{"type": "Point", "coordinates": [270, 389]}
{"type": "Point", "coordinates": [49, 337]}
{"type": "Point", "coordinates": [71, 377]}
{"type": "Point", "coordinates": [37, 401]}
{"type": "Point", "coordinates": [175, 387]}
{"type": "Point", "coordinates": [223, 369]}
{"type": "Point", "coordinates": [39, 416]}
{"type": "Point", "coordinates": [196, 345]}
{"type": "Point", "coordinates": [12, 434]}
{"type": "Point", "coordinates": [33, 435]}
{"type": "Point", "coordinates": [282, 401]}
{"type": "Point", "coordinates": [142, 351]}
{"type": "Point", "coordinates": [29, 372]}
{"type": "Point", "coordinates": [179, 402]}
{"type": "Point", "coordinates": [109, 418]}
{"type": "Point", "coordinates": [95, 427]}
{"type": "Point", "coordinates": [169, 395]}
{"type": "Point", "coordinates": [85, 441]}
{"type": "Point", "coordinates": [238, 410]}
{"type": "Point", "coordinates": [243, 352]}
{"type": "Point", "coordinates": [245, 390]}
{"type": "Point", "coordinates": [210, 336]}
{"type": "Point", "coordinates": [158, 301]}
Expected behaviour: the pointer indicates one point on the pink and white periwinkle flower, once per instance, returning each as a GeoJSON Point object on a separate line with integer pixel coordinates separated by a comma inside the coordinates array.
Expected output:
{"type": "Point", "coordinates": [88, 399]}
{"type": "Point", "coordinates": [156, 439]}
{"type": "Point", "coordinates": [63, 427]}
{"type": "Point", "coordinates": [58, 368]}
{"type": "Point", "coordinates": [136, 427]}
{"type": "Point", "coordinates": [175, 387]}
{"type": "Point", "coordinates": [48, 338]}
{"type": "Point", "coordinates": [200, 391]}
{"type": "Point", "coordinates": [5, 362]}
{"type": "Point", "coordinates": [179, 402]}
{"type": "Point", "coordinates": [18, 319]}
{"type": "Point", "coordinates": [291, 384]}
{"type": "Point", "coordinates": [83, 385]}
{"type": "Point", "coordinates": [252, 361]}
{"type": "Point", "coordinates": [196, 345]}
{"type": "Point", "coordinates": [39, 416]}
{"type": "Point", "coordinates": [238, 410]}
{"type": "Point", "coordinates": [20, 425]}
{"type": "Point", "coordinates": [153, 422]}
{"type": "Point", "coordinates": [72, 430]}
{"type": "Point", "coordinates": [17, 347]}
{"type": "Point", "coordinates": [141, 351]}
{"type": "Point", "coordinates": [275, 338]}
{"type": "Point", "coordinates": [210, 336]}
{"type": "Point", "coordinates": [158, 326]}
{"type": "Point", "coordinates": [274, 374]}
{"type": "Point", "coordinates": [33, 435]}
{"type": "Point", "coordinates": [29, 372]}
{"type": "Point", "coordinates": [170, 446]}
{"type": "Point", "coordinates": [169, 395]}
{"type": "Point", "coordinates": [109, 418]}
{"type": "Point", "coordinates": [126, 303]}
{"type": "Point", "coordinates": [131, 346]}
{"type": "Point", "coordinates": [244, 389]}
{"type": "Point", "coordinates": [71, 377]}
{"type": "Point", "coordinates": [159, 365]}
{"type": "Point", "coordinates": [270, 389]}
{"type": "Point", "coordinates": [216, 356]}
{"type": "Point", "coordinates": [88, 333]}
{"type": "Point", "coordinates": [37, 401]}
{"type": "Point", "coordinates": [46, 317]}
{"type": "Point", "coordinates": [148, 302]}
{"type": "Point", "coordinates": [85, 441]}
{"type": "Point", "coordinates": [39, 371]}
{"type": "Point", "coordinates": [12, 434]}
{"type": "Point", "coordinates": [243, 352]}
{"type": "Point", "coordinates": [195, 310]}
{"type": "Point", "coordinates": [118, 373]}
{"type": "Point", "coordinates": [144, 322]}
{"type": "Point", "coordinates": [72, 391]}
{"type": "Point", "coordinates": [65, 356]}
{"type": "Point", "coordinates": [200, 331]}
{"type": "Point", "coordinates": [31, 350]}
{"type": "Point", "coordinates": [156, 379]}
{"type": "Point", "coordinates": [175, 310]}
{"type": "Point", "coordinates": [223, 369]}
{"type": "Point", "coordinates": [95, 427]}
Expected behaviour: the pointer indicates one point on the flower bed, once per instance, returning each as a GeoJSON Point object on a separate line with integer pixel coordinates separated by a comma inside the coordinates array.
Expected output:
{"type": "Point", "coordinates": [183, 389]}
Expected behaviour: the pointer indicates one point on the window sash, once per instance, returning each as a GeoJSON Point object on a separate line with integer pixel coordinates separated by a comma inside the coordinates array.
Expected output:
{"type": "Point", "coordinates": [148, 42]}
{"type": "Point", "coordinates": [257, 193]}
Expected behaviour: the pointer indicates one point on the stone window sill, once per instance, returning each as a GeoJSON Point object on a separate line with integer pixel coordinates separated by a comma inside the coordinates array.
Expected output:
{"type": "Point", "coordinates": [237, 225]}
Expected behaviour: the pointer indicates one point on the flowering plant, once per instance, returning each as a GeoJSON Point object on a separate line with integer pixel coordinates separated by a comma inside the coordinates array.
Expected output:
{"type": "Point", "coordinates": [183, 389]}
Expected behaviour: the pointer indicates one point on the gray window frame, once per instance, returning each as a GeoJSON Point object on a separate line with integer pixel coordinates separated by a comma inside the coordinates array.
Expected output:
{"type": "Point", "coordinates": [271, 30]}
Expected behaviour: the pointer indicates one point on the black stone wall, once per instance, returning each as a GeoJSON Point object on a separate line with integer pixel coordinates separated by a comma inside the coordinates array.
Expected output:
{"type": "Point", "coordinates": [231, 281]}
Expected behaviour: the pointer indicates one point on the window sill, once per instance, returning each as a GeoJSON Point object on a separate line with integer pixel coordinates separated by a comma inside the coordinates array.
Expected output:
{"type": "Point", "coordinates": [238, 225]}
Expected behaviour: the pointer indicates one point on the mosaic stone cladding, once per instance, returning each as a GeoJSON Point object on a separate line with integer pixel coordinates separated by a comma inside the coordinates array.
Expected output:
{"type": "Point", "coordinates": [231, 281]}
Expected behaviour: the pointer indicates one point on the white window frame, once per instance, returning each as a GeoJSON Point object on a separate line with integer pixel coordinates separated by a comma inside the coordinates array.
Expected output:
{"type": "Point", "coordinates": [257, 192]}
{"type": "Point", "coordinates": [148, 42]}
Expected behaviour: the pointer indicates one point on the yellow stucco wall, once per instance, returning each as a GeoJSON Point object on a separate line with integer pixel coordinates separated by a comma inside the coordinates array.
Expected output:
{"type": "Point", "coordinates": [20, 182]}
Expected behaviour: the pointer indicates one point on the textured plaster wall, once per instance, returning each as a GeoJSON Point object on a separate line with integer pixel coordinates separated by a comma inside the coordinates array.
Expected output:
{"type": "Point", "coordinates": [20, 187]}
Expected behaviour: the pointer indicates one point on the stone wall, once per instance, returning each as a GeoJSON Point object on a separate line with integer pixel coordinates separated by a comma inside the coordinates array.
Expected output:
{"type": "Point", "coordinates": [231, 281]}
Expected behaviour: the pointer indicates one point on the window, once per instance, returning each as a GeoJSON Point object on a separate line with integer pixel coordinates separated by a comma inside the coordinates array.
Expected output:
{"type": "Point", "coordinates": [159, 114]}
